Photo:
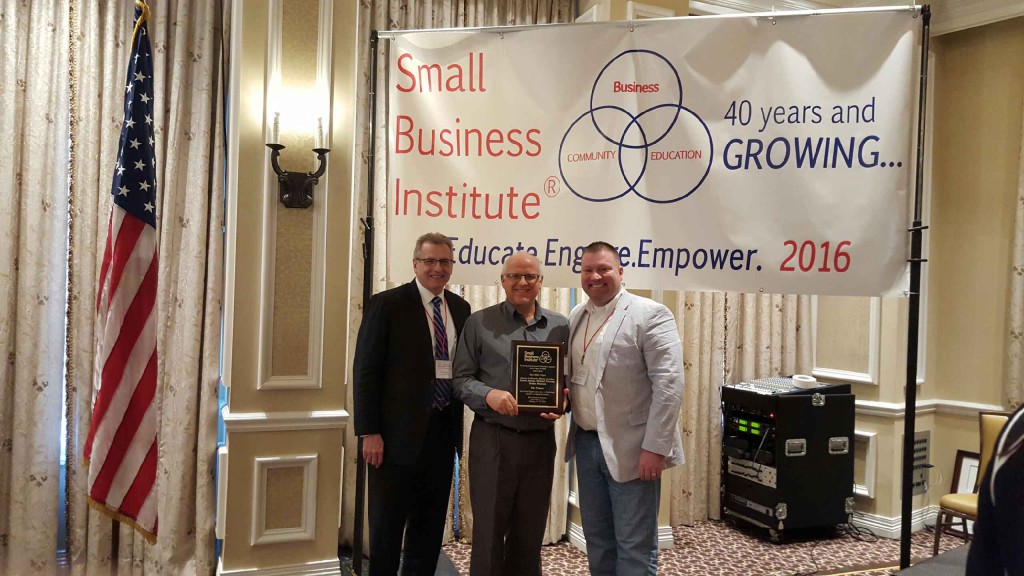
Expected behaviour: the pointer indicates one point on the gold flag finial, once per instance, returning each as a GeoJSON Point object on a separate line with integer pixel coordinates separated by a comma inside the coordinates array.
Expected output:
{"type": "Point", "coordinates": [139, 4]}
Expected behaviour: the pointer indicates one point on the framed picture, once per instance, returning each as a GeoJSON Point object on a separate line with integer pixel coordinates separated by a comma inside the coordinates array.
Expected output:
{"type": "Point", "coordinates": [965, 475]}
{"type": "Point", "coordinates": [965, 472]}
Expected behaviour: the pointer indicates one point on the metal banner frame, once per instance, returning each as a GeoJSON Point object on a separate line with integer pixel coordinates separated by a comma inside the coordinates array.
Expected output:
{"type": "Point", "coordinates": [915, 230]}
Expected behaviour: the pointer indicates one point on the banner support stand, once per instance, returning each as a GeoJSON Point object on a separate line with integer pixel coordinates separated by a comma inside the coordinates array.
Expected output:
{"type": "Point", "coordinates": [357, 528]}
{"type": "Point", "coordinates": [915, 260]}
{"type": "Point", "coordinates": [913, 321]}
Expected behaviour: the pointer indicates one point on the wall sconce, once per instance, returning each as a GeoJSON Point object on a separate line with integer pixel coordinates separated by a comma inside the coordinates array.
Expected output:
{"type": "Point", "coordinates": [295, 189]}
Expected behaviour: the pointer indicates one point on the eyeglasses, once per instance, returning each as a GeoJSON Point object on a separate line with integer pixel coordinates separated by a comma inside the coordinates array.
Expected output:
{"type": "Point", "coordinates": [516, 277]}
{"type": "Point", "coordinates": [444, 262]}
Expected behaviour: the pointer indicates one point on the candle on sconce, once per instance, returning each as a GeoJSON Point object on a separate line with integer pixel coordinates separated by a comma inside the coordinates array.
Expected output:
{"type": "Point", "coordinates": [320, 132]}
{"type": "Point", "coordinates": [275, 131]}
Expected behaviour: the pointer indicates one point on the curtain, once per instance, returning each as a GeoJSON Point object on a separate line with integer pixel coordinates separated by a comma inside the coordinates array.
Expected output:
{"type": "Point", "coordinates": [98, 67]}
{"type": "Point", "coordinates": [1013, 365]}
{"type": "Point", "coordinates": [33, 250]}
{"type": "Point", "coordinates": [727, 338]}
{"type": "Point", "coordinates": [189, 62]}
{"type": "Point", "coordinates": [414, 15]}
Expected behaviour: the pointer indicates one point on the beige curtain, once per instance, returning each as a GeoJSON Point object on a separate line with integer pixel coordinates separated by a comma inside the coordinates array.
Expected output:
{"type": "Point", "coordinates": [1013, 383]}
{"type": "Point", "coordinates": [727, 338]}
{"type": "Point", "coordinates": [189, 60]}
{"type": "Point", "coordinates": [33, 251]}
{"type": "Point", "coordinates": [415, 15]}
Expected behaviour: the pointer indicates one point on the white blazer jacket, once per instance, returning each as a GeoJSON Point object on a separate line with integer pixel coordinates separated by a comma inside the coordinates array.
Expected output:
{"type": "Point", "coordinates": [640, 386]}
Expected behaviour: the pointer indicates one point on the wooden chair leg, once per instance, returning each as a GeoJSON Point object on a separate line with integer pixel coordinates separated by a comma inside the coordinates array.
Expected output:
{"type": "Point", "coordinates": [938, 532]}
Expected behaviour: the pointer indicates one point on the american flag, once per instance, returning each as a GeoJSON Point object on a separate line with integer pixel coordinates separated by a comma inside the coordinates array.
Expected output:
{"type": "Point", "coordinates": [121, 448]}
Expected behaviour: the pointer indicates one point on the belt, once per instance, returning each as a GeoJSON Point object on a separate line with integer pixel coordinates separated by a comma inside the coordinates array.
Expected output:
{"type": "Point", "coordinates": [479, 418]}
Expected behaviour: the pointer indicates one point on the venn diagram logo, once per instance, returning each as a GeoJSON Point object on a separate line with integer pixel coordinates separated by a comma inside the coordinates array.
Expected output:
{"type": "Point", "coordinates": [637, 137]}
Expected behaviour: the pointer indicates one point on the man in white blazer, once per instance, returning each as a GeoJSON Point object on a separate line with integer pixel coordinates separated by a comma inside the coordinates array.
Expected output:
{"type": "Point", "coordinates": [626, 388]}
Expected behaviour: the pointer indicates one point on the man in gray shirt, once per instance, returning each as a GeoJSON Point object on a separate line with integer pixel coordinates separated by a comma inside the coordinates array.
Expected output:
{"type": "Point", "coordinates": [511, 455]}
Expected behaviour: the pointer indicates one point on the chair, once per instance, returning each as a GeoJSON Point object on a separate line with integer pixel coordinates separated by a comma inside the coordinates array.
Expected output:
{"type": "Point", "coordinates": [965, 506]}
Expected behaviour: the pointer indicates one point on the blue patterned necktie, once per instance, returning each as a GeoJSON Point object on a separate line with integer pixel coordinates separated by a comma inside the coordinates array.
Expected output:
{"type": "Point", "coordinates": [442, 386]}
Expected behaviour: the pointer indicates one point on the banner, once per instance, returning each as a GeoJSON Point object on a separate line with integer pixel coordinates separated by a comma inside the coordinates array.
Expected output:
{"type": "Point", "coordinates": [733, 154]}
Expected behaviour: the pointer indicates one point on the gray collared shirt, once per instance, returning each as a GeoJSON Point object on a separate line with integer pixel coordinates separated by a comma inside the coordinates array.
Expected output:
{"type": "Point", "coordinates": [483, 358]}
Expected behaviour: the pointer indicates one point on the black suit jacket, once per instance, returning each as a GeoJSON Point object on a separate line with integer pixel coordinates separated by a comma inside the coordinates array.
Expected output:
{"type": "Point", "coordinates": [394, 371]}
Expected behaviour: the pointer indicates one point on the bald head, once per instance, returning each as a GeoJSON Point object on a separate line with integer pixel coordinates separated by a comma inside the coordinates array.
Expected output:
{"type": "Point", "coordinates": [521, 259]}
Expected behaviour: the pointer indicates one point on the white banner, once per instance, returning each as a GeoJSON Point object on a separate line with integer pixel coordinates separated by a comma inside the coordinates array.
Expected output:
{"type": "Point", "coordinates": [733, 154]}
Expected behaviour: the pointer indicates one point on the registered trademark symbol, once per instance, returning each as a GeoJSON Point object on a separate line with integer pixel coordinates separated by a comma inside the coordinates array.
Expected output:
{"type": "Point", "coordinates": [551, 186]}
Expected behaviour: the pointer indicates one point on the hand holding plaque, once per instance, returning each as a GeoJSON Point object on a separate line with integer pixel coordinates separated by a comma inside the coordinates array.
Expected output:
{"type": "Point", "coordinates": [538, 376]}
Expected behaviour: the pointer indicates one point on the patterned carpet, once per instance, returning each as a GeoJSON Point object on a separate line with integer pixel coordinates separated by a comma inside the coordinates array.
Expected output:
{"type": "Point", "coordinates": [717, 548]}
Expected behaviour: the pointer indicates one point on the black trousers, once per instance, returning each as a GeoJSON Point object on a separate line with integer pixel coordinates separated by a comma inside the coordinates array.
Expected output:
{"type": "Point", "coordinates": [510, 475]}
{"type": "Point", "coordinates": [412, 501]}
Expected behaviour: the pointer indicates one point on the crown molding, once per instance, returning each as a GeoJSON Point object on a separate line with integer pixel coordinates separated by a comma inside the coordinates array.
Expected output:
{"type": "Point", "coordinates": [949, 16]}
{"type": "Point", "coordinates": [739, 6]}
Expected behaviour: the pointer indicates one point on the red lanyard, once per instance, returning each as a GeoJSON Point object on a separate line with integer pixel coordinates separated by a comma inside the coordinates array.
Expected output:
{"type": "Point", "coordinates": [586, 342]}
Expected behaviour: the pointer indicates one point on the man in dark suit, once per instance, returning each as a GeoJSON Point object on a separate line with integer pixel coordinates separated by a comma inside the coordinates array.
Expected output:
{"type": "Point", "coordinates": [410, 423]}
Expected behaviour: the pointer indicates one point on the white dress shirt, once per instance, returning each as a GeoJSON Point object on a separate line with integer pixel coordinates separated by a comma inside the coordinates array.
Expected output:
{"type": "Point", "coordinates": [594, 322]}
{"type": "Point", "coordinates": [446, 314]}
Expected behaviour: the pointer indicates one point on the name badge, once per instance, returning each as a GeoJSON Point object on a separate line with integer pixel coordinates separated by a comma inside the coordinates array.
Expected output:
{"type": "Point", "coordinates": [443, 369]}
{"type": "Point", "coordinates": [579, 377]}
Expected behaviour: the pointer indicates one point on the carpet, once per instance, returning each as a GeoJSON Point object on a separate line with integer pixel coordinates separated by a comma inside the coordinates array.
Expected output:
{"type": "Point", "coordinates": [714, 548]}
